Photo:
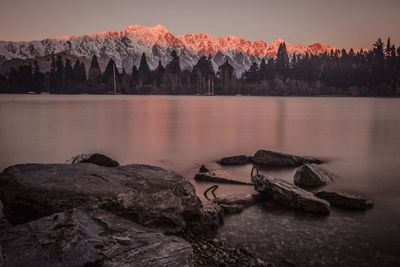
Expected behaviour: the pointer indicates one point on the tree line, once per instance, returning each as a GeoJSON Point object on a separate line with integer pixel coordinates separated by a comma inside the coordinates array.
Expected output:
{"type": "Point", "coordinates": [375, 72]}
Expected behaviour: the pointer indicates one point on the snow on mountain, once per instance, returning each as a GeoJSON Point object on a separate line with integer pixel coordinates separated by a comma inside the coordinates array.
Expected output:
{"type": "Point", "coordinates": [126, 47]}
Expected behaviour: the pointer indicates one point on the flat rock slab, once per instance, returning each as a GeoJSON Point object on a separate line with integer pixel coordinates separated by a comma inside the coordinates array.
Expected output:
{"type": "Point", "coordinates": [81, 237]}
{"type": "Point", "coordinates": [312, 175]}
{"type": "Point", "coordinates": [218, 176]}
{"type": "Point", "coordinates": [94, 158]}
{"type": "Point", "coordinates": [148, 195]}
{"type": "Point", "coordinates": [346, 201]}
{"type": "Point", "coordinates": [290, 195]}
{"type": "Point", "coordinates": [235, 160]}
{"type": "Point", "coordinates": [277, 159]}
{"type": "Point", "coordinates": [236, 202]}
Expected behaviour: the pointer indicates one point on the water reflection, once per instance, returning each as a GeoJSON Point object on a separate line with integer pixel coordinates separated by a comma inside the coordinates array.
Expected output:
{"type": "Point", "coordinates": [359, 138]}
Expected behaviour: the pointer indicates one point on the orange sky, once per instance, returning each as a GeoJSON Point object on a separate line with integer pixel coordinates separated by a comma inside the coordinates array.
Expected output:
{"type": "Point", "coordinates": [351, 23]}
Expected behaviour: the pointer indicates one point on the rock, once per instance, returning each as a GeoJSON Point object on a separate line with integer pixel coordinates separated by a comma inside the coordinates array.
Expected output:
{"type": "Point", "coordinates": [236, 160]}
{"type": "Point", "coordinates": [289, 195]}
{"type": "Point", "coordinates": [149, 195]}
{"type": "Point", "coordinates": [217, 253]}
{"type": "Point", "coordinates": [81, 237]}
{"type": "Point", "coordinates": [236, 202]}
{"type": "Point", "coordinates": [277, 159]}
{"type": "Point", "coordinates": [203, 169]}
{"type": "Point", "coordinates": [4, 223]}
{"type": "Point", "coordinates": [217, 176]}
{"type": "Point", "coordinates": [95, 158]}
{"type": "Point", "coordinates": [312, 175]}
{"type": "Point", "coordinates": [346, 201]}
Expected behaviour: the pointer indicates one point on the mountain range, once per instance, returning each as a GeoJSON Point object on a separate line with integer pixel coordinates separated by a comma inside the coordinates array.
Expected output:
{"type": "Point", "coordinates": [126, 47]}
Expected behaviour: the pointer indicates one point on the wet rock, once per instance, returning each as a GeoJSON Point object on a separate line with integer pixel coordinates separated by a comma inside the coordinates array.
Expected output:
{"type": "Point", "coordinates": [236, 202]}
{"type": "Point", "coordinates": [277, 159]}
{"type": "Point", "coordinates": [346, 201]}
{"type": "Point", "coordinates": [148, 195]}
{"type": "Point", "coordinates": [218, 176]}
{"type": "Point", "coordinates": [203, 169]}
{"type": "Point", "coordinates": [235, 160]}
{"type": "Point", "coordinates": [217, 253]}
{"type": "Point", "coordinates": [94, 158]}
{"type": "Point", "coordinates": [312, 175]}
{"type": "Point", "coordinates": [289, 195]}
{"type": "Point", "coordinates": [81, 237]}
{"type": "Point", "coordinates": [4, 223]}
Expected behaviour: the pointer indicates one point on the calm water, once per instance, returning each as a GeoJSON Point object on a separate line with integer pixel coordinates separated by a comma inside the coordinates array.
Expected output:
{"type": "Point", "coordinates": [358, 137]}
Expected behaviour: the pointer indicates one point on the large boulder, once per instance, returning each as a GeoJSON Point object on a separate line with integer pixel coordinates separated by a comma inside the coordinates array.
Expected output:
{"type": "Point", "coordinates": [149, 195]}
{"type": "Point", "coordinates": [346, 201]}
{"type": "Point", "coordinates": [312, 175]}
{"type": "Point", "coordinates": [276, 159]}
{"type": "Point", "coordinates": [218, 176]}
{"type": "Point", "coordinates": [94, 158]}
{"type": "Point", "coordinates": [81, 237]}
{"type": "Point", "coordinates": [289, 195]}
{"type": "Point", "coordinates": [235, 160]}
{"type": "Point", "coordinates": [236, 202]}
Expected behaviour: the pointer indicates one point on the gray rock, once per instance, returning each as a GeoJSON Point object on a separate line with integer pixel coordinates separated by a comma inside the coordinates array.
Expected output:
{"type": "Point", "coordinates": [81, 237]}
{"type": "Point", "coordinates": [346, 201]}
{"type": "Point", "coordinates": [94, 158]}
{"type": "Point", "coordinates": [312, 175]}
{"type": "Point", "coordinates": [235, 160]}
{"type": "Point", "coordinates": [277, 159]}
{"type": "Point", "coordinates": [148, 195]}
{"type": "Point", "coordinates": [289, 195]}
{"type": "Point", "coordinates": [218, 176]}
{"type": "Point", "coordinates": [236, 202]}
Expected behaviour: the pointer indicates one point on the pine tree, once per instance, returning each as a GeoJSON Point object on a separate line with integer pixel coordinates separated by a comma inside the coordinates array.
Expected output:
{"type": "Point", "coordinates": [144, 72]}
{"type": "Point", "coordinates": [68, 74]}
{"type": "Point", "coordinates": [263, 70]}
{"type": "Point", "coordinates": [282, 61]}
{"type": "Point", "coordinates": [134, 78]}
{"type": "Point", "coordinates": [108, 75]}
{"type": "Point", "coordinates": [59, 73]}
{"type": "Point", "coordinates": [38, 78]}
{"type": "Point", "coordinates": [82, 76]}
{"type": "Point", "coordinates": [159, 73]}
{"type": "Point", "coordinates": [94, 71]}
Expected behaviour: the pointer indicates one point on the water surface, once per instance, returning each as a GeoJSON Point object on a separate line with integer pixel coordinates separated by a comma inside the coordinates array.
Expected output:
{"type": "Point", "coordinates": [359, 138]}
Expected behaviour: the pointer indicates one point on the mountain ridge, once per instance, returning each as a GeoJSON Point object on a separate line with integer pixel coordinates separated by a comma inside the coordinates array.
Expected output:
{"type": "Point", "coordinates": [127, 45]}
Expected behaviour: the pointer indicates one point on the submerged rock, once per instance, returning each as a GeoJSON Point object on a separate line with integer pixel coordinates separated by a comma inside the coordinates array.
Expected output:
{"type": "Point", "coordinates": [236, 202]}
{"type": "Point", "coordinates": [235, 160]}
{"type": "Point", "coordinates": [148, 195]}
{"type": "Point", "coordinates": [346, 201]}
{"type": "Point", "coordinates": [94, 158]}
{"type": "Point", "coordinates": [218, 176]}
{"type": "Point", "coordinates": [289, 195]}
{"type": "Point", "coordinates": [312, 175]}
{"type": "Point", "coordinates": [81, 237]}
{"type": "Point", "coordinates": [203, 169]}
{"type": "Point", "coordinates": [277, 159]}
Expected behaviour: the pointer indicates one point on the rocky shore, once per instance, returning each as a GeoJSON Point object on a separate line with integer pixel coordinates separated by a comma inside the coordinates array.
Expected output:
{"type": "Point", "coordinates": [103, 214]}
{"type": "Point", "coordinates": [91, 211]}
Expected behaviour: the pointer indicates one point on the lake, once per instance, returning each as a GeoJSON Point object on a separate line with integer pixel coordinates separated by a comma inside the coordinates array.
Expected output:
{"type": "Point", "coordinates": [358, 138]}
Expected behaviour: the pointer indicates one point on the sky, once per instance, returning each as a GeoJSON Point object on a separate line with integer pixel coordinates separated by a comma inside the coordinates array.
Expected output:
{"type": "Point", "coordinates": [342, 23]}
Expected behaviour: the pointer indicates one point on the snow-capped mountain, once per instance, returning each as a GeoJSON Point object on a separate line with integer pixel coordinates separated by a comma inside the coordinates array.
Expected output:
{"type": "Point", "coordinates": [126, 47]}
